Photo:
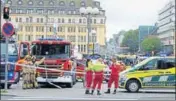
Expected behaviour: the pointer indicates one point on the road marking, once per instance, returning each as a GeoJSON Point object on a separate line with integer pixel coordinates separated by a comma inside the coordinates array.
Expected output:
{"type": "Point", "coordinates": [60, 98]}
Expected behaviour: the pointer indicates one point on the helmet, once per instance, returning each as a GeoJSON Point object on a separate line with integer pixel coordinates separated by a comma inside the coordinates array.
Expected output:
{"type": "Point", "coordinates": [28, 57]}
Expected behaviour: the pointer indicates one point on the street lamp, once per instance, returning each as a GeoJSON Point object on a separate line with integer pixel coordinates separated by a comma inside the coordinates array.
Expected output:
{"type": "Point", "coordinates": [93, 39]}
{"type": "Point", "coordinates": [88, 13]}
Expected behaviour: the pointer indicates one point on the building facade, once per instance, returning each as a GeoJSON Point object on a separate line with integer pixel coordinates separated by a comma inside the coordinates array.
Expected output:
{"type": "Point", "coordinates": [34, 19]}
{"type": "Point", "coordinates": [166, 27]}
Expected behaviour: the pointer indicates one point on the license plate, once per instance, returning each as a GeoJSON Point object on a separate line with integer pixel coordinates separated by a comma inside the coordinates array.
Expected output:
{"type": "Point", "coordinates": [49, 80]}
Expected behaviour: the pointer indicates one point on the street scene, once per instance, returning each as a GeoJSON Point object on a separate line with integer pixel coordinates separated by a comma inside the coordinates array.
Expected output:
{"type": "Point", "coordinates": [87, 50]}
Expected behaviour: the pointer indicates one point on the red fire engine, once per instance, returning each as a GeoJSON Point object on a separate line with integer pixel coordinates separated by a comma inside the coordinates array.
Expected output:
{"type": "Point", "coordinates": [57, 53]}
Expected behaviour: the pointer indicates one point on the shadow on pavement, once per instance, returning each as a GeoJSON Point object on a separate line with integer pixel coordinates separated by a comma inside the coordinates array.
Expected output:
{"type": "Point", "coordinates": [151, 92]}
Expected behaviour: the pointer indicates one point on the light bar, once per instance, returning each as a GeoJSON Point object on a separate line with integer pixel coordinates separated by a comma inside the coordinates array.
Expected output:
{"type": "Point", "coordinates": [51, 39]}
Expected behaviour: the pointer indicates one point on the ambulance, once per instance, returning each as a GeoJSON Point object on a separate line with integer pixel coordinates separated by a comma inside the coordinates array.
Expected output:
{"type": "Point", "coordinates": [153, 72]}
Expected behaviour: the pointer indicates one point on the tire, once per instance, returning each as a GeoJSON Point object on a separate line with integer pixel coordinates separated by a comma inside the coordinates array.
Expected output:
{"type": "Point", "coordinates": [132, 86]}
{"type": "Point", "coordinates": [69, 85]}
{"type": "Point", "coordinates": [3, 86]}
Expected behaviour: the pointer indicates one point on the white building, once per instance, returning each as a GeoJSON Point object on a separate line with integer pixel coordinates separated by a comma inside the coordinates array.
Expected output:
{"type": "Point", "coordinates": [166, 25]}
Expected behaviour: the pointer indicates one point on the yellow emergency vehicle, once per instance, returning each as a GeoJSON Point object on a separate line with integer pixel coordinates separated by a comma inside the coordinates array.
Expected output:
{"type": "Point", "coordinates": [154, 72]}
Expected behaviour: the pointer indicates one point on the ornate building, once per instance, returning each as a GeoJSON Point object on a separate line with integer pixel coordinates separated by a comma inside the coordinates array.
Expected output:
{"type": "Point", "coordinates": [35, 18]}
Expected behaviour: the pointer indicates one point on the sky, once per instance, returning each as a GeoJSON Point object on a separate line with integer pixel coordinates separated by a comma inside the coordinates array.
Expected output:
{"type": "Point", "coordinates": [129, 14]}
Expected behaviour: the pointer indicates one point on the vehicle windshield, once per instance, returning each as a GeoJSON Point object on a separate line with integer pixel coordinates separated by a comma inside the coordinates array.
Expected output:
{"type": "Point", "coordinates": [12, 49]}
{"type": "Point", "coordinates": [142, 63]}
{"type": "Point", "coordinates": [51, 51]}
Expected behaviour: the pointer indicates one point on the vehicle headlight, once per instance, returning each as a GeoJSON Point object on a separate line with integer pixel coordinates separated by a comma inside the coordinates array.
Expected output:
{"type": "Point", "coordinates": [123, 77]}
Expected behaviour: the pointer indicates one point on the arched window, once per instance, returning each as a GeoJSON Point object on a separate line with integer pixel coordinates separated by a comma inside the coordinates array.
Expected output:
{"type": "Point", "coordinates": [51, 3]}
{"type": "Point", "coordinates": [62, 3]}
{"type": "Point", "coordinates": [9, 2]}
{"type": "Point", "coordinates": [72, 3]}
{"type": "Point", "coordinates": [41, 3]}
{"type": "Point", "coordinates": [83, 3]}
{"type": "Point", "coordinates": [20, 2]}
{"type": "Point", "coordinates": [30, 2]}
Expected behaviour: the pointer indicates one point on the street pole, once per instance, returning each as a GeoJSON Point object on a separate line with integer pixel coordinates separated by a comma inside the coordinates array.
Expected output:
{"type": "Point", "coordinates": [6, 61]}
{"type": "Point", "coordinates": [89, 31]}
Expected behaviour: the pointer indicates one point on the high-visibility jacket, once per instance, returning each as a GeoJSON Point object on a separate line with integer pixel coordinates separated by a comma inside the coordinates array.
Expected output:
{"type": "Point", "coordinates": [98, 67]}
{"type": "Point", "coordinates": [90, 65]}
{"type": "Point", "coordinates": [17, 67]}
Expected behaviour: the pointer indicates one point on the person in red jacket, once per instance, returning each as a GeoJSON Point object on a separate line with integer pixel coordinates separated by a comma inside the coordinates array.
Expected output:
{"type": "Point", "coordinates": [89, 75]}
{"type": "Point", "coordinates": [114, 77]}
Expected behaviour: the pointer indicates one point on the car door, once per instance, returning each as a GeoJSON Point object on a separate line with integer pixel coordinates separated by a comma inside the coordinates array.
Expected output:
{"type": "Point", "coordinates": [170, 74]}
{"type": "Point", "coordinates": [151, 75]}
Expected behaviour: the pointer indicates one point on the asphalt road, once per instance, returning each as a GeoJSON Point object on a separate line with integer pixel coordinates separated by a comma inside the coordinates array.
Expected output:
{"type": "Point", "coordinates": [77, 93]}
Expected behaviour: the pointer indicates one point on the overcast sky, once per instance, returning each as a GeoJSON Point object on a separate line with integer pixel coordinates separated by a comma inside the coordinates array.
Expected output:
{"type": "Point", "coordinates": [129, 14]}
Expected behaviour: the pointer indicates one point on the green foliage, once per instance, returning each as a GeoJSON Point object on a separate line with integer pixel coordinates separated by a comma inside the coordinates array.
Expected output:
{"type": "Point", "coordinates": [151, 43]}
{"type": "Point", "coordinates": [131, 40]}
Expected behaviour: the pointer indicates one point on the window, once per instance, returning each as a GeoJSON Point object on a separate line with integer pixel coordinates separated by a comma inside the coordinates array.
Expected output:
{"type": "Point", "coordinates": [72, 3]}
{"type": "Point", "coordinates": [63, 21]}
{"type": "Point", "coordinates": [41, 20]}
{"type": "Point", "coordinates": [59, 21]}
{"type": "Point", "coordinates": [102, 21]}
{"type": "Point", "coordinates": [62, 3]}
{"type": "Point", "coordinates": [20, 20]}
{"type": "Point", "coordinates": [84, 48]}
{"type": "Point", "coordinates": [69, 20]}
{"type": "Point", "coordinates": [51, 3]}
{"type": "Point", "coordinates": [95, 21]}
{"type": "Point", "coordinates": [80, 20]}
{"type": "Point", "coordinates": [73, 20]}
{"type": "Point", "coordinates": [151, 65]}
{"type": "Point", "coordinates": [37, 20]}
{"type": "Point", "coordinates": [16, 19]}
{"type": "Point", "coordinates": [81, 48]}
{"type": "Point", "coordinates": [41, 3]}
{"type": "Point", "coordinates": [9, 2]}
{"type": "Point", "coordinates": [30, 3]}
{"type": "Point", "coordinates": [82, 3]}
{"type": "Point", "coordinates": [20, 2]}
{"type": "Point", "coordinates": [84, 20]}
{"type": "Point", "coordinates": [27, 19]}
{"type": "Point", "coordinates": [78, 48]}
{"type": "Point", "coordinates": [84, 38]}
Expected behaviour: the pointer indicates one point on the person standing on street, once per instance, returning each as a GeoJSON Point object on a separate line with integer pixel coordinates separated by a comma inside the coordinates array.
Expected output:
{"type": "Point", "coordinates": [26, 72]}
{"type": "Point", "coordinates": [98, 69]}
{"type": "Point", "coordinates": [89, 75]}
{"type": "Point", "coordinates": [34, 72]}
{"type": "Point", "coordinates": [114, 77]}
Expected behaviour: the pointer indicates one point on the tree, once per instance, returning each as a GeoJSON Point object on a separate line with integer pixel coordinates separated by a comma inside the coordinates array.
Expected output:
{"type": "Point", "coordinates": [151, 43]}
{"type": "Point", "coordinates": [131, 40]}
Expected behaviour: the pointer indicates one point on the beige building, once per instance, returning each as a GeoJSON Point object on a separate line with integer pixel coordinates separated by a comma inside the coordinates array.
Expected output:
{"type": "Point", "coordinates": [36, 18]}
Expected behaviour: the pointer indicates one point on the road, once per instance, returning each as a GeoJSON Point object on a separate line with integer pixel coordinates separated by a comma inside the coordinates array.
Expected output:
{"type": "Point", "coordinates": [77, 93]}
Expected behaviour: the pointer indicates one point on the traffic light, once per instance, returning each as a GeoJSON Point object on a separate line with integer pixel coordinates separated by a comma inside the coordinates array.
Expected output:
{"type": "Point", "coordinates": [6, 13]}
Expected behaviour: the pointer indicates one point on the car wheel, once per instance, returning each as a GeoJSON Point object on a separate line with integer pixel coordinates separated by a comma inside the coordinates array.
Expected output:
{"type": "Point", "coordinates": [69, 85]}
{"type": "Point", "coordinates": [3, 86]}
{"type": "Point", "coordinates": [133, 86]}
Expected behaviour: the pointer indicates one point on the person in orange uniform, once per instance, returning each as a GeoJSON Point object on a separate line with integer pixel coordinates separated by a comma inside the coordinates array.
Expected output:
{"type": "Point", "coordinates": [98, 69]}
{"type": "Point", "coordinates": [89, 75]}
{"type": "Point", "coordinates": [114, 77]}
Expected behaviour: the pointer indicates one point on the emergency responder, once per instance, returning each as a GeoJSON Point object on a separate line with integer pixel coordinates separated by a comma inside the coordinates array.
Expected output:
{"type": "Point", "coordinates": [34, 72]}
{"type": "Point", "coordinates": [26, 72]}
{"type": "Point", "coordinates": [98, 69]}
{"type": "Point", "coordinates": [89, 75]}
{"type": "Point", "coordinates": [114, 77]}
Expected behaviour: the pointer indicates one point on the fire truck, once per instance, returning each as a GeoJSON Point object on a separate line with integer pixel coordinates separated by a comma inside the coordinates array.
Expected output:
{"type": "Point", "coordinates": [58, 56]}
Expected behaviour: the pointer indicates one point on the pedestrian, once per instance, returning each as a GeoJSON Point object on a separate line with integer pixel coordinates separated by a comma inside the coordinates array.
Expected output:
{"type": "Point", "coordinates": [89, 75]}
{"type": "Point", "coordinates": [26, 72]}
{"type": "Point", "coordinates": [34, 71]}
{"type": "Point", "coordinates": [114, 76]}
{"type": "Point", "coordinates": [98, 69]}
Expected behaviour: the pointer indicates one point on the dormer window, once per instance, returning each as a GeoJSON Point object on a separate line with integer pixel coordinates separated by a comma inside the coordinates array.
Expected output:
{"type": "Point", "coordinates": [72, 3]}
{"type": "Point", "coordinates": [20, 2]}
{"type": "Point", "coordinates": [62, 3]}
{"type": "Point", "coordinates": [51, 3]}
{"type": "Point", "coordinates": [41, 3]}
{"type": "Point", "coordinates": [30, 3]}
{"type": "Point", "coordinates": [82, 3]}
{"type": "Point", "coordinates": [9, 2]}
